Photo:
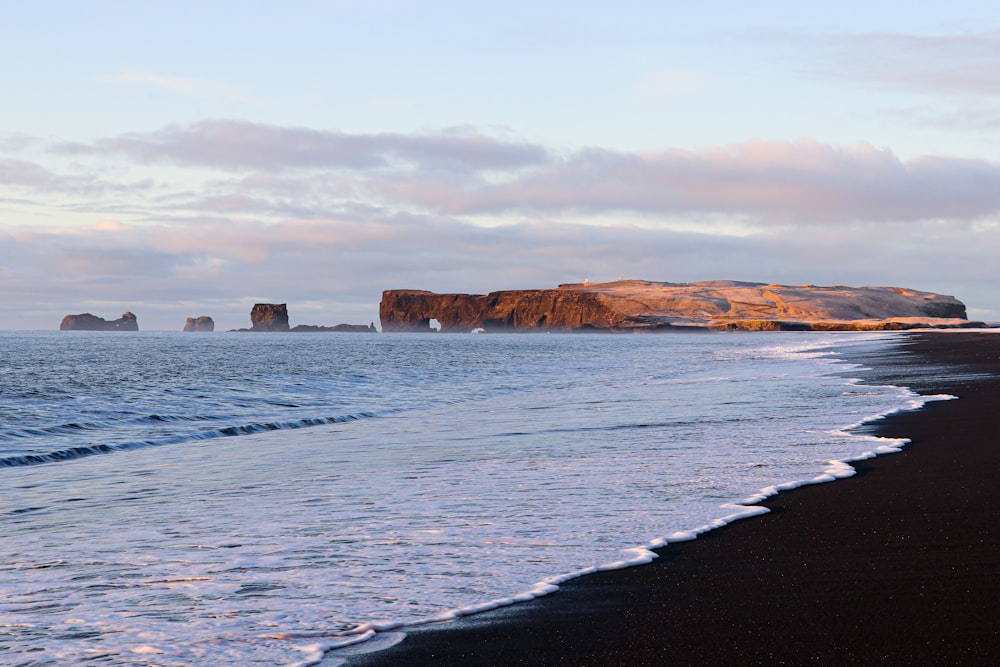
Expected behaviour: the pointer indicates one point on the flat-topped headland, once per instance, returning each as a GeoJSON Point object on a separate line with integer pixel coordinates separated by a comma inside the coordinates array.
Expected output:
{"type": "Point", "coordinates": [639, 306]}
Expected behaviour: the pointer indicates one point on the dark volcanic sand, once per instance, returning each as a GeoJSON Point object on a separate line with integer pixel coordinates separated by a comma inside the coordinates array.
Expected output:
{"type": "Point", "coordinates": [899, 564]}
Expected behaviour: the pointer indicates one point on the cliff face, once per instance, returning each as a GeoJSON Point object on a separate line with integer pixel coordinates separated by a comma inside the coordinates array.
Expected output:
{"type": "Point", "coordinates": [269, 317]}
{"type": "Point", "coordinates": [636, 305]}
{"type": "Point", "coordinates": [88, 322]}
{"type": "Point", "coordinates": [406, 310]}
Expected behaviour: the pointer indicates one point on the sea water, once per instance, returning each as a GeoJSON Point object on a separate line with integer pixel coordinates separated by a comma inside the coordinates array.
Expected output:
{"type": "Point", "coordinates": [257, 499]}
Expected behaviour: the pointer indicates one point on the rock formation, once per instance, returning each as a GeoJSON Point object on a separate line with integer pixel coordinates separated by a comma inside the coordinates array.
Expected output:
{"type": "Point", "coordinates": [269, 317]}
{"type": "Point", "coordinates": [638, 305]}
{"type": "Point", "coordinates": [201, 323]}
{"type": "Point", "coordinates": [88, 322]}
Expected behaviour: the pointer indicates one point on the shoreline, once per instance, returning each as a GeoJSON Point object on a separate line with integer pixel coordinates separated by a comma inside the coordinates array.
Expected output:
{"type": "Point", "coordinates": [869, 569]}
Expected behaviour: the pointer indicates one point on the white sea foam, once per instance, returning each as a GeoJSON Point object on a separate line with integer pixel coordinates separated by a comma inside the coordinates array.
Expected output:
{"type": "Point", "coordinates": [836, 469]}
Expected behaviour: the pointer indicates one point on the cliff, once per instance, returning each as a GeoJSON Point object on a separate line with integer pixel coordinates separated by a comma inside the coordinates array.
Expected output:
{"type": "Point", "coordinates": [88, 322]}
{"type": "Point", "coordinates": [638, 305]}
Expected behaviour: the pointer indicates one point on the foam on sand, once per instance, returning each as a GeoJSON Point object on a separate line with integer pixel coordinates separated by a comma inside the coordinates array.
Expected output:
{"type": "Point", "coordinates": [749, 507]}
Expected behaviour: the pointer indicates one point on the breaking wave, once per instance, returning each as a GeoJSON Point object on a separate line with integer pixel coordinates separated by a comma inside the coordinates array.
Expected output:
{"type": "Point", "coordinates": [81, 451]}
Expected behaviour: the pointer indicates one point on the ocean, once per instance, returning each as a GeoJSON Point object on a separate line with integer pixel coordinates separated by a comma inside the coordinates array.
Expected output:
{"type": "Point", "coordinates": [260, 499]}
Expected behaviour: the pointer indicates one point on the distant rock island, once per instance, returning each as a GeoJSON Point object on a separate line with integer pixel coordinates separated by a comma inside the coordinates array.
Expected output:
{"type": "Point", "coordinates": [88, 322]}
{"type": "Point", "coordinates": [200, 323]}
{"type": "Point", "coordinates": [269, 317]}
{"type": "Point", "coordinates": [274, 317]}
{"type": "Point", "coordinates": [639, 306]}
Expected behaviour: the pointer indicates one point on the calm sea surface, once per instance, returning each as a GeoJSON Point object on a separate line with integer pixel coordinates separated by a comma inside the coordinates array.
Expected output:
{"type": "Point", "coordinates": [254, 499]}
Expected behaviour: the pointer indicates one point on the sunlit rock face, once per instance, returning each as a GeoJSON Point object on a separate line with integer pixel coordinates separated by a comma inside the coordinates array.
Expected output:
{"type": "Point", "coordinates": [639, 305]}
{"type": "Point", "coordinates": [269, 317]}
{"type": "Point", "coordinates": [88, 322]}
{"type": "Point", "coordinates": [201, 323]}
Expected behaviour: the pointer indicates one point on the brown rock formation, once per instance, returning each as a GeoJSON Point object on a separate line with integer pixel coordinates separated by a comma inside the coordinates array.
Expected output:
{"type": "Point", "coordinates": [201, 323]}
{"type": "Point", "coordinates": [88, 322]}
{"type": "Point", "coordinates": [269, 317]}
{"type": "Point", "coordinates": [637, 305]}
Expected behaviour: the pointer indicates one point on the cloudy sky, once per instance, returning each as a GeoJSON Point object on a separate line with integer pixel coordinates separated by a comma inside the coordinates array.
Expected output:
{"type": "Point", "coordinates": [188, 158]}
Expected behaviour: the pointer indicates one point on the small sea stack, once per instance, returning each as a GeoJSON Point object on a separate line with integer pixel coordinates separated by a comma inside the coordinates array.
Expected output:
{"type": "Point", "coordinates": [269, 317]}
{"type": "Point", "coordinates": [200, 323]}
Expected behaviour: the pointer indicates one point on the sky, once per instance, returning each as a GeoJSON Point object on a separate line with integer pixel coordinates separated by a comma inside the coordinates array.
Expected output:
{"type": "Point", "coordinates": [194, 158]}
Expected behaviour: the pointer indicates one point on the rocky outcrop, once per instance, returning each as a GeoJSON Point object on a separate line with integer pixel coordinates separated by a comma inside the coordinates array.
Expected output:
{"type": "Point", "coordinates": [269, 317]}
{"type": "Point", "coordinates": [638, 305]}
{"type": "Point", "coordinates": [88, 322]}
{"type": "Point", "coordinates": [201, 323]}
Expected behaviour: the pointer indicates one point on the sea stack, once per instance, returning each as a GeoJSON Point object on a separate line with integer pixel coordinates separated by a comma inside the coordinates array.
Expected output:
{"type": "Point", "coordinates": [201, 323]}
{"type": "Point", "coordinates": [269, 317]}
{"type": "Point", "coordinates": [88, 322]}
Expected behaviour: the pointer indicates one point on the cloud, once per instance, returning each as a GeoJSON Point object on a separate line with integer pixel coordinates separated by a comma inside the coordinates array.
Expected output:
{"type": "Point", "coordinates": [945, 81]}
{"type": "Point", "coordinates": [961, 63]}
{"type": "Point", "coordinates": [233, 144]}
{"type": "Point", "coordinates": [975, 116]}
{"type": "Point", "coordinates": [191, 87]}
{"type": "Point", "coordinates": [263, 172]}
{"type": "Point", "coordinates": [771, 182]}
{"type": "Point", "coordinates": [25, 174]}
{"type": "Point", "coordinates": [13, 142]}
{"type": "Point", "coordinates": [471, 174]}
{"type": "Point", "coordinates": [38, 179]}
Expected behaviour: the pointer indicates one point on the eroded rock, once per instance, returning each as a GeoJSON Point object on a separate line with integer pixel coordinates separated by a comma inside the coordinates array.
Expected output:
{"type": "Point", "coordinates": [269, 317]}
{"type": "Point", "coordinates": [201, 323]}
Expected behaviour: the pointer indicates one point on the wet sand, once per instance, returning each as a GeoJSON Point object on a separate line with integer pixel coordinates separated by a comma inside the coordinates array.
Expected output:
{"type": "Point", "coordinates": [899, 564]}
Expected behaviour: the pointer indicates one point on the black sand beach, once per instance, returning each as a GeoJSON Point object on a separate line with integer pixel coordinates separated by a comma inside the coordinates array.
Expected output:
{"type": "Point", "coordinates": [899, 564]}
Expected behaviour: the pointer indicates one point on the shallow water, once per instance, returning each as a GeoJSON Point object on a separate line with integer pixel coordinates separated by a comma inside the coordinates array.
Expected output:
{"type": "Point", "coordinates": [219, 499]}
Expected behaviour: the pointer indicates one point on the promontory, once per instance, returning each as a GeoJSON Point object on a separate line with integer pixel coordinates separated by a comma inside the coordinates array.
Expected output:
{"type": "Point", "coordinates": [641, 306]}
